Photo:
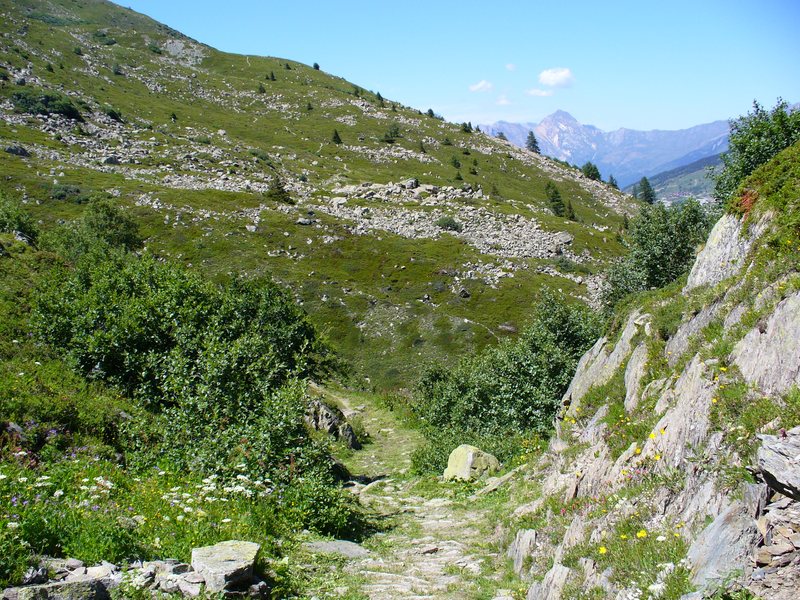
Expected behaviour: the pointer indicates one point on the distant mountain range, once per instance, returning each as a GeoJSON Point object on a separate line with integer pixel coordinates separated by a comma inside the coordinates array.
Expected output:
{"type": "Point", "coordinates": [687, 181]}
{"type": "Point", "coordinates": [628, 154]}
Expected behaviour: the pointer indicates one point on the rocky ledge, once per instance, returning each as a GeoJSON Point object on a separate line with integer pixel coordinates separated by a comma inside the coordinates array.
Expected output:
{"type": "Point", "coordinates": [226, 568]}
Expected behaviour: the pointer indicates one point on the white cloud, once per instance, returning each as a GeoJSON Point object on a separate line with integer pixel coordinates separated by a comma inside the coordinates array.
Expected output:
{"type": "Point", "coordinates": [556, 77]}
{"type": "Point", "coordinates": [502, 100]}
{"type": "Point", "coordinates": [481, 86]}
{"type": "Point", "coordinates": [511, 67]}
{"type": "Point", "coordinates": [539, 93]}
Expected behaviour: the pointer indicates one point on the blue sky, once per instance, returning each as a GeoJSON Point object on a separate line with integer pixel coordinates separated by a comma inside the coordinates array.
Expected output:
{"type": "Point", "coordinates": [641, 65]}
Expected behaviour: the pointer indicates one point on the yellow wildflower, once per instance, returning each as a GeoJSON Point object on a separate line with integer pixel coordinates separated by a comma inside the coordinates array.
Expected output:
{"type": "Point", "coordinates": [602, 550]}
{"type": "Point", "coordinates": [638, 451]}
{"type": "Point", "coordinates": [641, 534]}
{"type": "Point", "coordinates": [652, 436]}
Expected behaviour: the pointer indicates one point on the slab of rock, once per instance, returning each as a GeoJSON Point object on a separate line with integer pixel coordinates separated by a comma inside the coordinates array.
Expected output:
{"type": "Point", "coordinates": [769, 355]}
{"type": "Point", "coordinates": [724, 547]}
{"type": "Point", "coordinates": [522, 548]}
{"type": "Point", "coordinates": [779, 462]}
{"type": "Point", "coordinates": [331, 420]}
{"type": "Point", "coordinates": [633, 376]}
{"type": "Point", "coordinates": [551, 587]}
{"type": "Point", "coordinates": [602, 360]}
{"type": "Point", "coordinates": [725, 251]}
{"type": "Point", "coordinates": [227, 565]}
{"type": "Point", "coordinates": [469, 463]}
{"type": "Point", "coordinates": [342, 547]}
{"type": "Point", "coordinates": [90, 589]}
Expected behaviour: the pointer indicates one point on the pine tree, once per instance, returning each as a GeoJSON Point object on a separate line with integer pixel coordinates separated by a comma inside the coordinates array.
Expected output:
{"type": "Point", "coordinates": [591, 171]}
{"type": "Point", "coordinates": [261, 88]}
{"type": "Point", "coordinates": [554, 197]}
{"type": "Point", "coordinates": [532, 143]}
{"type": "Point", "coordinates": [613, 182]}
{"type": "Point", "coordinates": [501, 136]}
{"type": "Point", "coordinates": [635, 192]}
{"type": "Point", "coordinates": [571, 211]}
{"type": "Point", "coordinates": [646, 193]}
{"type": "Point", "coordinates": [272, 76]}
{"type": "Point", "coordinates": [316, 66]}
{"type": "Point", "coordinates": [380, 100]}
{"type": "Point", "coordinates": [336, 139]}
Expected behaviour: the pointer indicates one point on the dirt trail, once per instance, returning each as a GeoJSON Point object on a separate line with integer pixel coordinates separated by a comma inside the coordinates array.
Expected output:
{"type": "Point", "coordinates": [441, 547]}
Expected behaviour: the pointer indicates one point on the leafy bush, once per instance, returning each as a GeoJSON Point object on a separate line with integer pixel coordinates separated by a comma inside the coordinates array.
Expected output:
{"type": "Point", "coordinates": [44, 103]}
{"type": "Point", "coordinates": [754, 139]}
{"type": "Point", "coordinates": [448, 223]}
{"type": "Point", "coordinates": [663, 242]}
{"type": "Point", "coordinates": [513, 388]}
{"type": "Point", "coordinates": [14, 219]}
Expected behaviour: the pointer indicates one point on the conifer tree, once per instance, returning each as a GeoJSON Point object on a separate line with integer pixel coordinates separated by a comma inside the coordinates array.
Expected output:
{"type": "Point", "coordinates": [532, 143]}
{"type": "Point", "coordinates": [571, 211]}
{"type": "Point", "coordinates": [613, 182]}
{"type": "Point", "coordinates": [272, 76]}
{"type": "Point", "coordinates": [501, 136]}
{"type": "Point", "coordinates": [646, 191]}
{"type": "Point", "coordinates": [554, 197]}
{"type": "Point", "coordinates": [336, 139]}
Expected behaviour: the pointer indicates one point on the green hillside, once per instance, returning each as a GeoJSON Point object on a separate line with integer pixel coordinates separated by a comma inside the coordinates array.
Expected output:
{"type": "Point", "coordinates": [197, 145]}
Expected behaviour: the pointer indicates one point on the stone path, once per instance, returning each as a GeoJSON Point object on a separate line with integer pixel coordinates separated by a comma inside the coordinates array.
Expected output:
{"type": "Point", "coordinates": [432, 554]}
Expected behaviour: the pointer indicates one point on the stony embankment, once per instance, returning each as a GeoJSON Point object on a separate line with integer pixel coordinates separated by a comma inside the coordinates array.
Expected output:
{"type": "Point", "coordinates": [650, 444]}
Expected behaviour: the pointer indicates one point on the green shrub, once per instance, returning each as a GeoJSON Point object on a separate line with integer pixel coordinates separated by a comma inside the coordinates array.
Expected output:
{"type": "Point", "coordinates": [448, 223]}
{"type": "Point", "coordinates": [663, 241]}
{"type": "Point", "coordinates": [513, 388]}
{"type": "Point", "coordinates": [44, 103]}
{"type": "Point", "coordinates": [754, 139]}
{"type": "Point", "coordinates": [14, 219]}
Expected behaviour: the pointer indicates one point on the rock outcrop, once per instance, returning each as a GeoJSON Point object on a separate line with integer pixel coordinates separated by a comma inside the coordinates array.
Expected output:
{"type": "Point", "coordinates": [725, 252]}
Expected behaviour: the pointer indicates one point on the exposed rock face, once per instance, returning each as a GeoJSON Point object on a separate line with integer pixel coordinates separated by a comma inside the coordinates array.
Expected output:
{"type": "Point", "coordinates": [521, 548]}
{"type": "Point", "coordinates": [725, 251]}
{"type": "Point", "coordinates": [469, 463]}
{"type": "Point", "coordinates": [551, 587]}
{"type": "Point", "coordinates": [769, 355]}
{"type": "Point", "coordinates": [779, 462]}
{"type": "Point", "coordinates": [633, 375]}
{"type": "Point", "coordinates": [723, 547]}
{"type": "Point", "coordinates": [227, 565]}
{"type": "Point", "coordinates": [600, 363]}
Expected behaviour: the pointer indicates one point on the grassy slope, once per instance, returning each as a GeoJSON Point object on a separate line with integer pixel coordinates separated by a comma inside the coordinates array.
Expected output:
{"type": "Point", "coordinates": [352, 281]}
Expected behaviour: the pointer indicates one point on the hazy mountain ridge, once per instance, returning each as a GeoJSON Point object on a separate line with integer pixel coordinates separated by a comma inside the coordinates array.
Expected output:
{"type": "Point", "coordinates": [628, 154]}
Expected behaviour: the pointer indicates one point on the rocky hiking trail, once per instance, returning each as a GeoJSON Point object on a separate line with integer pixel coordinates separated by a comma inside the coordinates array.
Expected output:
{"type": "Point", "coordinates": [440, 541]}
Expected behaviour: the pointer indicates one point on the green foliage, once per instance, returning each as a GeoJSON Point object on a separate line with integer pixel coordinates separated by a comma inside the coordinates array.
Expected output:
{"type": "Point", "coordinates": [278, 193]}
{"type": "Point", "coordinates": [501, 136]}
{"type": "Point", "coordinates": [112, 113]}
{"type": "Point", "coordinates": [514, 387]}
{"type": "Point", "coordinates": [14, 219]}
{"type": "Point", "coordinates": [554, 199]}
{"type": "Point", "coordinates": [613, 182]}
{"type": "Point", "coordinates": [392, 134]}
{"type": "Point", "coordinates": [663, 242]}
{"type": "Point", "coordinates": [448, 223]}
{"type": "Point", "coordinates": [316, 66]}
{"type": "Point", "coordinates": [591, 171]}
{"type": "Point", "coordinates": [44, 103]}
{"type": "Point", "coordinates": [754, 139]}
{"type": "Point", "coordinates": [336, 138]}
{"type": "Point", "coordinates": [531, 143]}
{"type": "Point", "coordinates": [646, 192]}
